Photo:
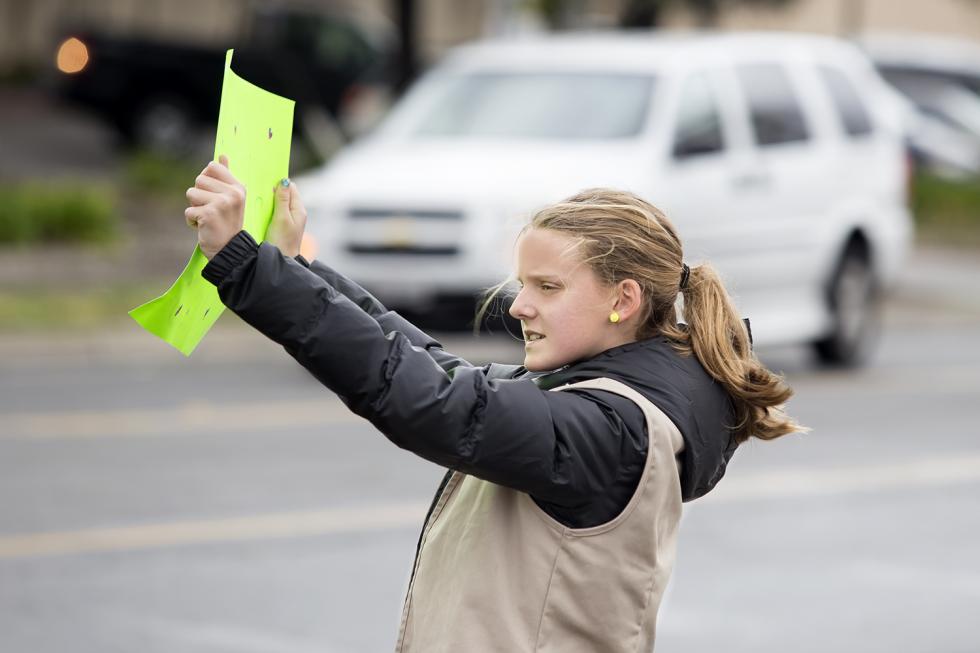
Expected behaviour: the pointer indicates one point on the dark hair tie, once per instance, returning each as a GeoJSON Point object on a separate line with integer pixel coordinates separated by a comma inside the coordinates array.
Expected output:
{"type": "Point", "coordinates": [685, 274]}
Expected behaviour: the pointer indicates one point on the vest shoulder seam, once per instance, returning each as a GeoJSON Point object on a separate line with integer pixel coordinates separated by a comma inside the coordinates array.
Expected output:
{"type": "Point", "coordinates": [657, 425]}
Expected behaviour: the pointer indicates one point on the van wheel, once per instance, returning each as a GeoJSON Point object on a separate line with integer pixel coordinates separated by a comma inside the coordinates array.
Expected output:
{"type": "Point", "coordinates": [853, 300]}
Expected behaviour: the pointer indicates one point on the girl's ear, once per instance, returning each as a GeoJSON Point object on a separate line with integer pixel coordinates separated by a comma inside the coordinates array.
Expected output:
{"type": "Point", "coordinates": [630, 297]}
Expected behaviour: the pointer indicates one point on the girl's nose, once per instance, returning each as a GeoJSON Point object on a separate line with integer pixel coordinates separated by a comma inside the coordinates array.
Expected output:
{"type": "Point", "coordinates": [520, 309]}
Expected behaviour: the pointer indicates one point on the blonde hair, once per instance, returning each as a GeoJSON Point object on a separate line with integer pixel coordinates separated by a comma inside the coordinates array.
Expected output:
{"type": "Point", "coordinates": [621, 236]}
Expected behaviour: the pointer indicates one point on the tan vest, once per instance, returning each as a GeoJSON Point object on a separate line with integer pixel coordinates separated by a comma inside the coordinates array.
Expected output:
{"type": "Point", "coordinates": [496, 573]}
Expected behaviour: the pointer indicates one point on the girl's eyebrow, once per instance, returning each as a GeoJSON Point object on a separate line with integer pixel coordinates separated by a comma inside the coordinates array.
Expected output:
{"type": "Point", "coordinates": [540, 277]}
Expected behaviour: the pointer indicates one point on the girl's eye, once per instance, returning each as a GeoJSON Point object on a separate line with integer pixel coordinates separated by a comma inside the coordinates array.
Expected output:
{"type": "Point", "coordinates": [543, 286]}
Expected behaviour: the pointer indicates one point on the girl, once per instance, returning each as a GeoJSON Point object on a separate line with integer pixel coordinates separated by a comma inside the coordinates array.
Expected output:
{"type": "Point", "coordinates": [555, 528]}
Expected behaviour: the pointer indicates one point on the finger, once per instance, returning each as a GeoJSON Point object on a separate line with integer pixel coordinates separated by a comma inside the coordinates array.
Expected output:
{"type": "Point", "coordinates": [192, 216]}
{"type": "Point", "coordinates": [282, 190]}
{"type": "Point", "coordinates": [198, 197]}
{"type": "Point", "coordinates": [206, 182]}
{"type": "Point", "coordinates": [223, 160]}
{"type": "Point", "coordinates": [220, 171]}
{"type": "Point", "coordinates": [296, 207]}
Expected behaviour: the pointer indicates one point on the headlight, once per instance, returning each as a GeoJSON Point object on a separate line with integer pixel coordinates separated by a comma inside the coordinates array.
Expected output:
{"type": "Point", "coordinates": [308, 247]}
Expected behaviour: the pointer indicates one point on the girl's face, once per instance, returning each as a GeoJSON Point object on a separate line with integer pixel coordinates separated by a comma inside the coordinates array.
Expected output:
{"type": "Point", "coordinates": [562, 299]}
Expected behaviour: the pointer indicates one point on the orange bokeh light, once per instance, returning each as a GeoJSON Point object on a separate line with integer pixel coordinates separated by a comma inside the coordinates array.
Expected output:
{"type": "Point", "coordinates": [308, 247]}
{"type": "Point", "coordinates": [72, 56]}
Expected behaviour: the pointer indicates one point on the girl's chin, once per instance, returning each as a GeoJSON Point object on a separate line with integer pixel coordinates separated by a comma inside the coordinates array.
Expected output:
{"type": "Point", "coordinates": [534, 363]}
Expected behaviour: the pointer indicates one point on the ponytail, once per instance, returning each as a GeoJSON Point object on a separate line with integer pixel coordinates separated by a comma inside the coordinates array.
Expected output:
{"type": "Point", "coordinates": [720, 340]}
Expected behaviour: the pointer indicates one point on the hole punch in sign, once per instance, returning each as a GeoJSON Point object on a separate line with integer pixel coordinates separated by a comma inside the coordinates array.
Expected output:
{"type": "Point", "coordinates": [254, 132]}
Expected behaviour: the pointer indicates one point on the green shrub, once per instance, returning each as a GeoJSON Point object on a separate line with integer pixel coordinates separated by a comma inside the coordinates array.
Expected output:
{"type": "Point", "coordinates": [157, 174]}
{"type": "Point", "coordinates": [32, 213]}
{"type": "Point", "coordinates": [946, 201]}
{"type": "Point", "coordinates": [947, 211]}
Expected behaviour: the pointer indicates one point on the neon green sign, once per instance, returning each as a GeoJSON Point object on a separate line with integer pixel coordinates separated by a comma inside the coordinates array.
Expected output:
{"type": "Point", "coordinates": [254, 131]}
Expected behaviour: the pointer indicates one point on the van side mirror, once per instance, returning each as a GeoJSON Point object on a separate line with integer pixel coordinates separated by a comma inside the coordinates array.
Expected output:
{"type": "Point", "coordinates": [697, 143]}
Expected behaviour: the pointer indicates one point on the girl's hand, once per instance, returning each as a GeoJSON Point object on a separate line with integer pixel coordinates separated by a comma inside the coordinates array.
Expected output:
{"type": "Point", "coordinates": [217, 207]}
{"type": "Point", "coordinates": [288, 220]}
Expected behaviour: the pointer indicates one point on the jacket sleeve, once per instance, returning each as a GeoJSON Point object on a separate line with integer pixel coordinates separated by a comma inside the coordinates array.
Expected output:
{"type": "Point", "coordinates": [388, 320]}
{"type": "Point", "coordinates": [552, 445]}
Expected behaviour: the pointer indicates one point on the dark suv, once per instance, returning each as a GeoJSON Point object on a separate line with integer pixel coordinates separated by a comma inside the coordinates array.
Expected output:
{"type": "Point", "coordinates": [156, 92]}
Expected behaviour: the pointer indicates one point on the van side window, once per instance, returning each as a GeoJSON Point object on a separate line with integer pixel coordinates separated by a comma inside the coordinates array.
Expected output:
{"type": "Point", "coordinates": [773, 108]}
{"type": "Point", "coordinates": [853, 114]}
{"type": "Point", "coordinates": [698, 129]}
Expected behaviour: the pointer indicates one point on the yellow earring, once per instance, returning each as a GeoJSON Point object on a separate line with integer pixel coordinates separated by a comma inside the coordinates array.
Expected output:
{"type": "Point", "coordinates": [614, 317]}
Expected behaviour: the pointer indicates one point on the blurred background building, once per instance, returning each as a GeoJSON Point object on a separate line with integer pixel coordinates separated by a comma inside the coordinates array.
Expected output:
{"type": "Point", "coordinates": [27, 28]}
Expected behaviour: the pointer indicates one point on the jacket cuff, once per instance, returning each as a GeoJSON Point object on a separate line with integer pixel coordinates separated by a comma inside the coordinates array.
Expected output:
{"type": "Point", "coordinates": [239, 248]}
{"type": "Point", "coordinates": [302, 260]}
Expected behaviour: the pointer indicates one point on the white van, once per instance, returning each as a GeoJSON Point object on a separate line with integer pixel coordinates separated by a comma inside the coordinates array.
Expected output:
{"type": "Point", "coordinates": [779, 157]}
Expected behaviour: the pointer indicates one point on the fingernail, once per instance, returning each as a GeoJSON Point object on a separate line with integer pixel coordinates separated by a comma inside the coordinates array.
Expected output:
{"type": "Point", "coordinates": [285, 182]}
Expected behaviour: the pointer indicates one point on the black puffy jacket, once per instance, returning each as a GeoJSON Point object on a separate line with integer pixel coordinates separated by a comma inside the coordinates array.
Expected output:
{"type": "Point", "coordinates": [578, 453]}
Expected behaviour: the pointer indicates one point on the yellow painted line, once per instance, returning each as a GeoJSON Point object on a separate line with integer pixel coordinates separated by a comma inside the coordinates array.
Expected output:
{"type": "Point", "coordinates": [933, 472]}
{"type": "Point", "coordinates": [189, 418]}
{"type": "Point", "coordinates": [927, 472]}
{"type": "Point", "coordinates": [953, 379]}
{"type": "Point", "coordinates": [267, 526]}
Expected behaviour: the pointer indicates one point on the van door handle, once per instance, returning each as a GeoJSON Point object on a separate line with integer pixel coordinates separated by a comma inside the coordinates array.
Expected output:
{"type": "Point", "coordinates": [750, 180]}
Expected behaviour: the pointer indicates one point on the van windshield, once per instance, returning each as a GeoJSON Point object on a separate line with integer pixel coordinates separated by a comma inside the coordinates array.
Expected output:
{"type": "Point", "coordinates": [534, 106]}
